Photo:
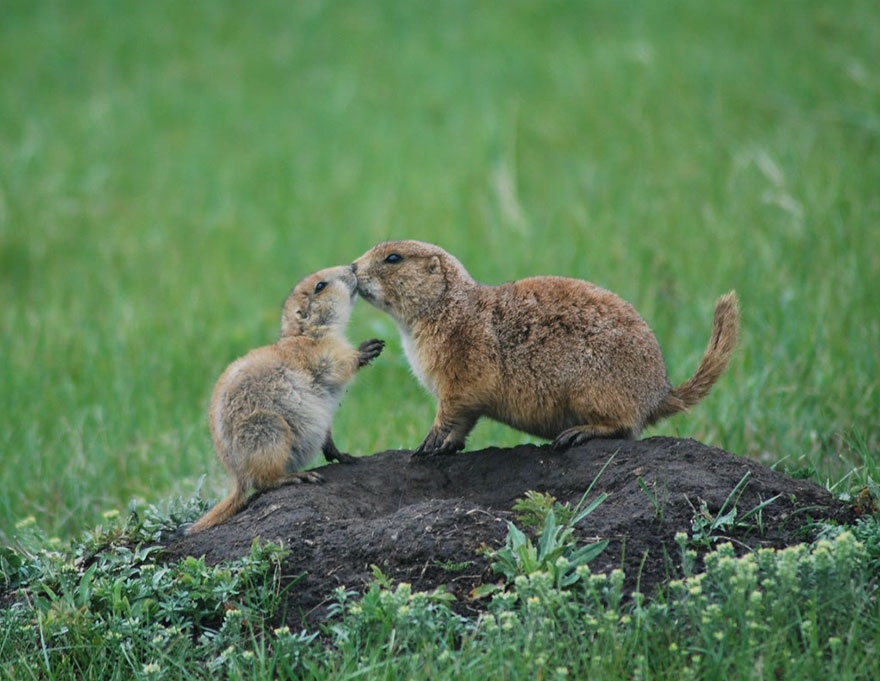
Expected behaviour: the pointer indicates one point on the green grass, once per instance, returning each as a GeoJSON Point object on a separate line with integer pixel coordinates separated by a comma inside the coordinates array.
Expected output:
{"type": "Point", "coordinates": [169, 170]}
{"type": "Point", "coordinates": [100, 607]}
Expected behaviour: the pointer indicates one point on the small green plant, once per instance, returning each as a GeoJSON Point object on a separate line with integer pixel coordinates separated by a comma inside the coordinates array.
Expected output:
{"type": "Point", "coordinates": [804, 472]}
{"type": "Point", "coordinates": [657, 497]}
{"type": "Point", "coordinates": [556, 550]}
{"type": "Point", "coordinates": [412, 619]}
{"type": "Point", "coordinates": [532, 510]}
{"type": "Point", "coordinates": [452, 566]}
{"type": "Point", "coordinates": [866, 530]}
{"type": "Point", "coordinates": [707, 528]}
{"type": "Point", "coordinates": [866, 498]}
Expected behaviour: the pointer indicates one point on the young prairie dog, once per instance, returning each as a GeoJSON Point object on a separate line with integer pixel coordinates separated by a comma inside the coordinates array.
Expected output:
{"type": "Point", "coordinates": [558, 358]}
{"type": "Point", "coordinates": [271, 409]}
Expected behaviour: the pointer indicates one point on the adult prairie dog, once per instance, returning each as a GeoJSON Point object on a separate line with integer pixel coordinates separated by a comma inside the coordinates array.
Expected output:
{"type": "Point", "coordinates": [271, 409]}
{"type": "Point", "coordinates": [558, 358]}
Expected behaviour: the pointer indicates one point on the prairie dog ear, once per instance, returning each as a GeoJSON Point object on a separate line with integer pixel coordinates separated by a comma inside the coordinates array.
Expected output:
{"type": "Point", "coordinates": [434, 264]}
{"type": "Point", "coordinates": [292, 319]}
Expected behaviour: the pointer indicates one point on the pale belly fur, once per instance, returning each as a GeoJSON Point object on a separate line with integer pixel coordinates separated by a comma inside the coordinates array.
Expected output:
{"type": "Point", "coordinates": [415, 362]}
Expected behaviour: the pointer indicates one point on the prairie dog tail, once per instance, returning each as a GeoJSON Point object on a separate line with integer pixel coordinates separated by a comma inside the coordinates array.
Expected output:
{"type": "Point", "coordinates": [259, 454]}
{"type": "Point", "coordinates": [725, 327]}
{"type": "Point", "coordinates": [222, 511]}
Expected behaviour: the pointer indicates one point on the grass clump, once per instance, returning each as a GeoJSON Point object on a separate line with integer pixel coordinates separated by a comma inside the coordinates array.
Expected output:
{"type": "Point", "coordinates": [804, 612]}
{"type": "Point", "coordinates": [708, 528]}
{"type": "Point", "coordinates": [556, 549]}
{"type": "Point", "coordinates": [410, 620]}
{"type": "Point", "coordinates": [106, 606]}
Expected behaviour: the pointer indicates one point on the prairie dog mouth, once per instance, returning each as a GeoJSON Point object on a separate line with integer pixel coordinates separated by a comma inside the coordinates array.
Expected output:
{"type": "Point", "coordinates": [352, 283]}
{"type": "Point", "coordinates": [364, 291]}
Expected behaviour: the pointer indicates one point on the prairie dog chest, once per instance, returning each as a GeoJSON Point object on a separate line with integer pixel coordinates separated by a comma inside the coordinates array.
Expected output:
{"type": "Point", "coordinates": [415, 361]}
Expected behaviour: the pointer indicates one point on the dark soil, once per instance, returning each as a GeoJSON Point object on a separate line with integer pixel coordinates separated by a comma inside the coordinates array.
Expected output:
{"type": "Point", "coordinates": [422, 521]}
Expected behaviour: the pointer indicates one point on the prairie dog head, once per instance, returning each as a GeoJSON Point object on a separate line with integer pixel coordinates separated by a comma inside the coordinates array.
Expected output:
{"type": "Point", "coordinates": [409, 279]}
{"type": "Point", "coordinates": [320, 302]}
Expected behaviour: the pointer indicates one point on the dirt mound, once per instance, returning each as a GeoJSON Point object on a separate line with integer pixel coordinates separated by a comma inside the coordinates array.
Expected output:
{"type": "Point", "coordinates": [421, 521]}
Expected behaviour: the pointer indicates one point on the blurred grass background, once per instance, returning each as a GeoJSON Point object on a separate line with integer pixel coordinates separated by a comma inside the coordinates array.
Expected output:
{"type": "Point", "coordinates": [169, 170]}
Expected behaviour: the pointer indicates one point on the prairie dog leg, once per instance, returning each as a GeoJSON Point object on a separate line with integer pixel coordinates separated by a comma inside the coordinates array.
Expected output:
{"type": "Point", "coordinates": [448, 434]}
{"type": "Point", "coordinates": [572, 437]}
{"type": "Point", "coordinates": [293, 479]}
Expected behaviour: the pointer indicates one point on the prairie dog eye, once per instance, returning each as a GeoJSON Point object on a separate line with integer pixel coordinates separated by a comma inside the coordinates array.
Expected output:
{"type": "Point", "coordinates": [393, 258]}
{"type": "Point", "coordinates": [320, 286]}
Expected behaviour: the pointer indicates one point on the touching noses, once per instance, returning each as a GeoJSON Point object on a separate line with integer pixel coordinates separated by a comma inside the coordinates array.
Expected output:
{"type": "Point", "coordinates": [354, 267]}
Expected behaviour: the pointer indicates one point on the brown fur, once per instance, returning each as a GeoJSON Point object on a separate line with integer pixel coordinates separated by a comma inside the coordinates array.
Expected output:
{"type": "Point", "coordinates": [558, 358]}
{"type": "Point", "coordinates": [271, 409]}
